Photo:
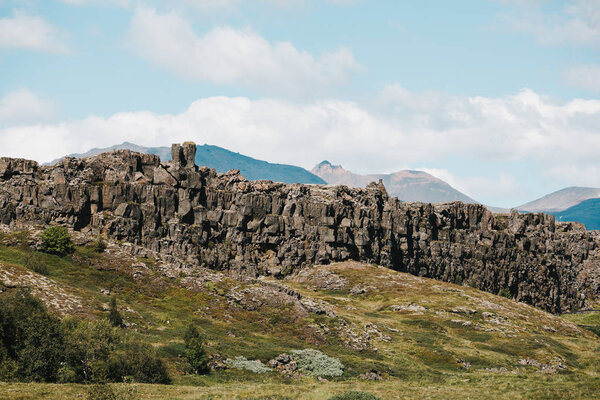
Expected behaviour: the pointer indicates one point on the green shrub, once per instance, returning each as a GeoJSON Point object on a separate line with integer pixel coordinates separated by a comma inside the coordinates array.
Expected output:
{"type": "Point", "coordinates": [505, 293]}
{"type": "Point", "coordinates": [88, 347]}
{"type": "Point", "coordinates": [315, 363]}
{"type": "Point", "coordinates": [66, 374]}
{"type": "Point", "coordinates": [8, 369]}
{"type": "Point", "coordinates": [354, 395]}
{"type": "Point", "coordinates": [194, 350]}
{"type": "Point", "coordinates": [98, 245]}
{"type": "Point", "coordinates": [114, 316]}
{"type": "Point", "coordinates": [30, 337]}
{"type": "Point", "coordinates": [34, 262]}
{"type": "Point", "coordinates": [56, 240]}
{"type": "Point", "coordinates": [241, 362]}
{"type": "Point", "coordinates": [138, 361]}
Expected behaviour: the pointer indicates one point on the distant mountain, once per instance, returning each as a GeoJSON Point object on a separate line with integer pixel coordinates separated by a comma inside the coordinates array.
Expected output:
{"type": "Point", "coordinates": [223, 160]}
{"type": "Point", "coordinates": [163, 152]}
{"type": "Point", "coordinates": [406, 185]}
{"type": "Point", "coordinates": [587, 212]}
{"type": "Point", "coordinates": [561, 200]}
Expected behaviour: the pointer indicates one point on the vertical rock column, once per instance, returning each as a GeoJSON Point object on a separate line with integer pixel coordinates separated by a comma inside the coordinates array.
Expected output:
{"type": "Point", "coordinates": [184, 155]}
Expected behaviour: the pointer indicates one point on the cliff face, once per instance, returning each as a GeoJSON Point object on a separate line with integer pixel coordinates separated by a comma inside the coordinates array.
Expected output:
{"type": "Point", "coordinates": [223, 221]}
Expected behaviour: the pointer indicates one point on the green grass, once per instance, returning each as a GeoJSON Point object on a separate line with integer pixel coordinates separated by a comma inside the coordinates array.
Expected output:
{"type": "Point", "coordinates": [420, 359]}
{"type": "Point", "coordinates": [484, 386]}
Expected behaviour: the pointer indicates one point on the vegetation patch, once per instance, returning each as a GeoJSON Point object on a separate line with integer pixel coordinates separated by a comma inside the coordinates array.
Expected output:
{"type": "Point", "coordinates": [355, 395]}
{"type": "Point", "coordinates": [242, 362]}
{"type": "Point", "coordinates": [57, 240]}
{"type": "Point", "coordinates": [314, 362]}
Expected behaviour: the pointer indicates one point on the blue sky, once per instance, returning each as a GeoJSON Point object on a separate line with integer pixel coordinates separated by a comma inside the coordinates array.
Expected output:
{"type": "Point", "coordinates": [499, 98]}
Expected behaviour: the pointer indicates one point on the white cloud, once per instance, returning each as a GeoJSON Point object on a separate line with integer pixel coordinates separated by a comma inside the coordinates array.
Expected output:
{"type": "Point", "coordinates": [559, 139]}
{"type": "Point", "coordinates": [23, 107]}
{"type": "Point", "coordinates": [29, 32]}
{"type": "Point", "coordinates": [578, 22]}
{"type": "Point", "coordinates": [206, 4]}
{"type": "Point", "coordinates": [119, 3]}
{"type": "Point", "coordinates": [586, 77]}
{"type": "Point", "coordinates": [229, 56]}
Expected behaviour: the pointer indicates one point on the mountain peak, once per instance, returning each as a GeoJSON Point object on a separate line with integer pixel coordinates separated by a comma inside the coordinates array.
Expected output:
{"type": "Point", "coordinates": [407, 185]}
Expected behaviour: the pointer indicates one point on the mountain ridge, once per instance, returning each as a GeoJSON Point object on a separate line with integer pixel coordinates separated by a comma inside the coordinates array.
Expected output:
{"type": "Point", "coordinates": [587, 212]}
{"type": "Point", "coordinates": [407, 185]}
{"type": "Point", "coordinates": [560, 200]}
{"type": "Point", "coordinates": [222, 160]}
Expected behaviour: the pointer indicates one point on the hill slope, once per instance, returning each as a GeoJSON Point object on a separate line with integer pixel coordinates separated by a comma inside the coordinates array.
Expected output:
{"type": "Point", "coordinates": [561, 200]}
{"type": "Point", "coordinates": [222, 160]}
{"type": "Point", "coordinates": [406, 185]}
{"type": "Point", "coordinates": [423, 337]}
{"type": "Point", "coordinates": [587, 212]}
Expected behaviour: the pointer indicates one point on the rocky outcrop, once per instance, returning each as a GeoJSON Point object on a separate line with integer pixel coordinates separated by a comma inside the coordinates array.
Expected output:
{"type": "Point", "coordinates": [252, 228]}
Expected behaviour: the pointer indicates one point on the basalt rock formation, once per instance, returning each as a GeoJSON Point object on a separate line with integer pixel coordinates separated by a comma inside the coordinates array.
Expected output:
{"type": "Point", "coordinates": [223, 221]}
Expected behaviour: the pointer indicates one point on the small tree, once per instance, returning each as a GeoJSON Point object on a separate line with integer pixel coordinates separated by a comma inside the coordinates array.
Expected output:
{"type": "Point", "coordinates": [98, 245]}
{"type": "Point", "coordinates": [56, 240]}
{"type": "Point", "coordinates": [505, 293]}
{"type": "Point", "coordinates": [114, 316]}
{"type": "Point", "coordinates": [194, 350]}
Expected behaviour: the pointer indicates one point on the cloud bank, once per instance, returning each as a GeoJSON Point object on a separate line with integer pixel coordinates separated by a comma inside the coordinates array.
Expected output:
{"type": "Point", "coordinates": [29, 32]}
{"type": "Point", "coordinates": [403, 129]}
{"type": "Point", "coordinates": [22, 107]}
{"type": "Point", "coordinates": [230, 56]}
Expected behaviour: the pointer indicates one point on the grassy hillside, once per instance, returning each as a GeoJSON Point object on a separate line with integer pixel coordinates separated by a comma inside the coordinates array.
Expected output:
{"type": "Point", "coordinates": [424, 338]}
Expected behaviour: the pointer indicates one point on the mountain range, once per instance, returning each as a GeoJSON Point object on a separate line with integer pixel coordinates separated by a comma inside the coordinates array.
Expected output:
{"type": "Point", "coordinates": [560, 200]}
{"type": "Point", "coordinates": [407, 185]}
{"type": "Point", "coordinates": [586, 212]}
{"type": "Point", "coordinates": [222, 160]}
{"type": "Point", "coordinates": [580, 204]}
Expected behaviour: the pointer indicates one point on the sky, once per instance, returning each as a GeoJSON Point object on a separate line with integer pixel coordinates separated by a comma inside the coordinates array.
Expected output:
{"type": "Point", "coordinates": [500, 98]}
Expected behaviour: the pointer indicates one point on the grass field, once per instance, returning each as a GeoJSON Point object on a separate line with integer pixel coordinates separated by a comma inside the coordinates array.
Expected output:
{"type": "Point", "coordinates": [425, 338]}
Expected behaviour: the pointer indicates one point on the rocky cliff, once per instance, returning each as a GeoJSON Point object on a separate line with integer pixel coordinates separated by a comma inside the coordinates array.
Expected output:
{"type": "Point", "coordinates": [223, 221]}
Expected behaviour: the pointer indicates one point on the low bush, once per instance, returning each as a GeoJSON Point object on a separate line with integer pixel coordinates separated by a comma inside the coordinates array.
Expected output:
{"type": "Point", "coordinates": [505, 293]}
{"type": "Point", "coordinates": [98, 245]}
{"type": "Point", "coordinates": [31, 338]}
{"type": "Point", "coordinates": [57, 240]}
{"type": "Point", "coordinates": [315, 363]}
{"type": "Point", "coordinates": [241, 362]}
{"type": "Point", "coordinates": [354, 395]}
{"type": "Point", "coordinates": [87, 350]}
{"type": "Point", "coordinates": [138, 362]}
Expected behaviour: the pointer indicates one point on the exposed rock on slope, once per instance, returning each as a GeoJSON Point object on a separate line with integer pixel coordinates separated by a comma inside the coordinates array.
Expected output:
{"type": "Point", "coordinates": [223, 221]}
{"type": "Point", "coordinates": [406, 185]}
